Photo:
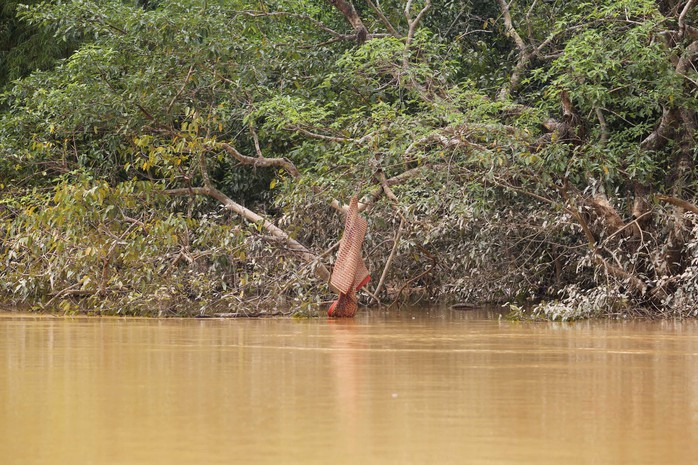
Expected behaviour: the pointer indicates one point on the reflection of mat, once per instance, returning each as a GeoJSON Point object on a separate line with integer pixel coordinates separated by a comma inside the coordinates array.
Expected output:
{"type": "Point", "coordinates": [350, 273]}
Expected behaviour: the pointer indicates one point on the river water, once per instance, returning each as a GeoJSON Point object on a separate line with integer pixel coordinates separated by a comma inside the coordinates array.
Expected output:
{"type": "Point", "coordinates": [410, 387]}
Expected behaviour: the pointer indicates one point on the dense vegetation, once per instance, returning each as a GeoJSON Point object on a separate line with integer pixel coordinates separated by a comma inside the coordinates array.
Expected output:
{"type": "Point", "coordinates": [193, 155]}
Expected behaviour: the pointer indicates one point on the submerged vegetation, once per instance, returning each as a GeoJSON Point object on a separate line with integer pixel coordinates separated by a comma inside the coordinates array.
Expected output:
{"type": "Point", "coordinates": [193, 156]}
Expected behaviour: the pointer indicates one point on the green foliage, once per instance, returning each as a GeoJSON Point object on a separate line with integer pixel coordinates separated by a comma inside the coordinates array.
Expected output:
{"type": "Point", "coordinates": [25, 48]}
{"type": "Point", "coordinates": [497, 199]}
{"type": "Point", "coordinates": [617, 64]}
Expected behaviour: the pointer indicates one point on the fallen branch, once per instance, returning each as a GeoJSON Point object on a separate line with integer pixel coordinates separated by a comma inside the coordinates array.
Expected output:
{"type": "Point", "coordinates": [250, 314]}
{"type": "Point", "coordinates": [296, 247]}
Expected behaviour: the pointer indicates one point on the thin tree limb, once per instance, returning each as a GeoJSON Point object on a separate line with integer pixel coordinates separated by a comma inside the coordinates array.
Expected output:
{"type": "Point", "coordinates": [255, 138]}
{"type": "Point", "coordinates": [315, 135]}
{"type": "Point", "coordinates": [636, 284]}
{"type": "Point", "coordinates": [389, 261]}
{"type": "Point", "coordinates": [660, 136]}
{"type": "Point", "coordinates": [602, 125]}
{"type": "Point", "coordinates": [509, 25]}
{"type": "Point", "coordinates": [181, 89]}
{"type": "Point", "coordinates": [383, 19]}
{"type": "Point", "coordinates": [371, 198]}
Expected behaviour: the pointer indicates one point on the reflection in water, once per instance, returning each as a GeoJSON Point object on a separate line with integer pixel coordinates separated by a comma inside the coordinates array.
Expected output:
{"type": "Point", "coordinates": [398, 388]}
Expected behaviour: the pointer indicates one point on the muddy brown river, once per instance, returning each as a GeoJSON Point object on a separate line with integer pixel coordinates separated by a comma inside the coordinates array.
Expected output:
{"type": "Point", "coordinates": [411, 387]}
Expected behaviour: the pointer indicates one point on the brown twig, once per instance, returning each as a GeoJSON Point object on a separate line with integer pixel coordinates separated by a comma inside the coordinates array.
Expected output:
{"type": "Point", "coordinates": [389, 262]}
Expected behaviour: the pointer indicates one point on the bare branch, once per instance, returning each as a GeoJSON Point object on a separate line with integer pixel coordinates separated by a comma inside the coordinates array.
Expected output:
{"type": "Point", "coordinates": [636, 284]}
{"type": "Point", "coordinates": [296, 247]}
{"type": "Point", "coordinates": [527, 52]}
{"type": "Point", "coordinates": [315, 135]}
{"type": "Point", "coordinates": [255, 138]}
{"type": "Point", "coordinates": [660, 136]}
{"type": "Point", "coordinates": [389, 261]}
{"type": "Point", "coordinates": [606, 211]}
{"type": "Point", "coordinates": [528, 18]}
{"type": "Point", "coordinates": [204, 170]}
{"type": "Point", "coordinates": [386, 188]}
{"type": "Point", "coordinates": [682, 17]}
{"type": "Point", "coordinates": [602, 125]}
{"type": "Point", "coordinates": [413, 23]}
{"type": "Point", "coordinates": [524, 55]}
{"type": "Point", "coordinates": [261, 162]}
{"type": "Point", "coordinates": [686, 61]}
{"type": "Point", "coordinates": [371, 198]}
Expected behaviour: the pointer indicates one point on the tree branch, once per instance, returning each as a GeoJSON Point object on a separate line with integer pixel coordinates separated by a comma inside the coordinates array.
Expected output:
{"type": "Point", "coordinates": [296, 247]}
{"type": "Point", "coordinates": [349, 12]}
{"type": "Point", "coordinates": [371, 198]}
{"type": "Point", "coordinates": [682, 17]}
{"type": "Point", "coordinates": [678, 203]}
{"type": "Point", "coordinates": [526, 52]}
{"type": "Point", "coordinates": [383, 19]}
{"type": "Point", "coordinates": [660, 136]}
{"type": "Point", "coordinates": [636, 284]}
{"type": "Point", "coordinates": [261, 161]}
{"type": "Point", "coordinates": [524, 55]}
{"type": "Point", "coordinates": [181, 89]}
{"type": "Point", "coordinates": [391, 257]}
{"type": "Point", "coordinates": [413, 23]}
{"type": "Point", "coordinates": [606, 211]}
{"type": "Point", "coordinates": [315, 135]}
{"type": "Point", "coordinates": [255, 138]}
{"type": "Point", "coordinates": [511, 30]}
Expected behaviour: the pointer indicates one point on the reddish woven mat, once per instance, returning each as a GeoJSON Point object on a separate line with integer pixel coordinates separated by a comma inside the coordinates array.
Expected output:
{"type": "Point", "coordinates": [350, 273]}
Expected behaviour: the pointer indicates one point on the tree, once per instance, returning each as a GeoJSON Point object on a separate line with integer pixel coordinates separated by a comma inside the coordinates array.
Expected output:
{"type": "Point", "coordinates": [504, 151]}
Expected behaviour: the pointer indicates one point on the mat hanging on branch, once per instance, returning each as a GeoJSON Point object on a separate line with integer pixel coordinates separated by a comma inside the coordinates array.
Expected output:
{"type": "Point", "coordinates": [350, 273]}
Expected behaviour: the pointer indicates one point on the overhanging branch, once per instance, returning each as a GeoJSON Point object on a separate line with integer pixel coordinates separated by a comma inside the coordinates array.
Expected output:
{"type": "Point", "coordinates": [296, 247]}
{"type": "Point", "coordinates": [261, 162]}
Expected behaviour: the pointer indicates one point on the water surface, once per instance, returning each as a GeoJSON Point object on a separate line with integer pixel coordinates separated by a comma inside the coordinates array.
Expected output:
{"type": "Point", "coordinates": [437, 387]}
